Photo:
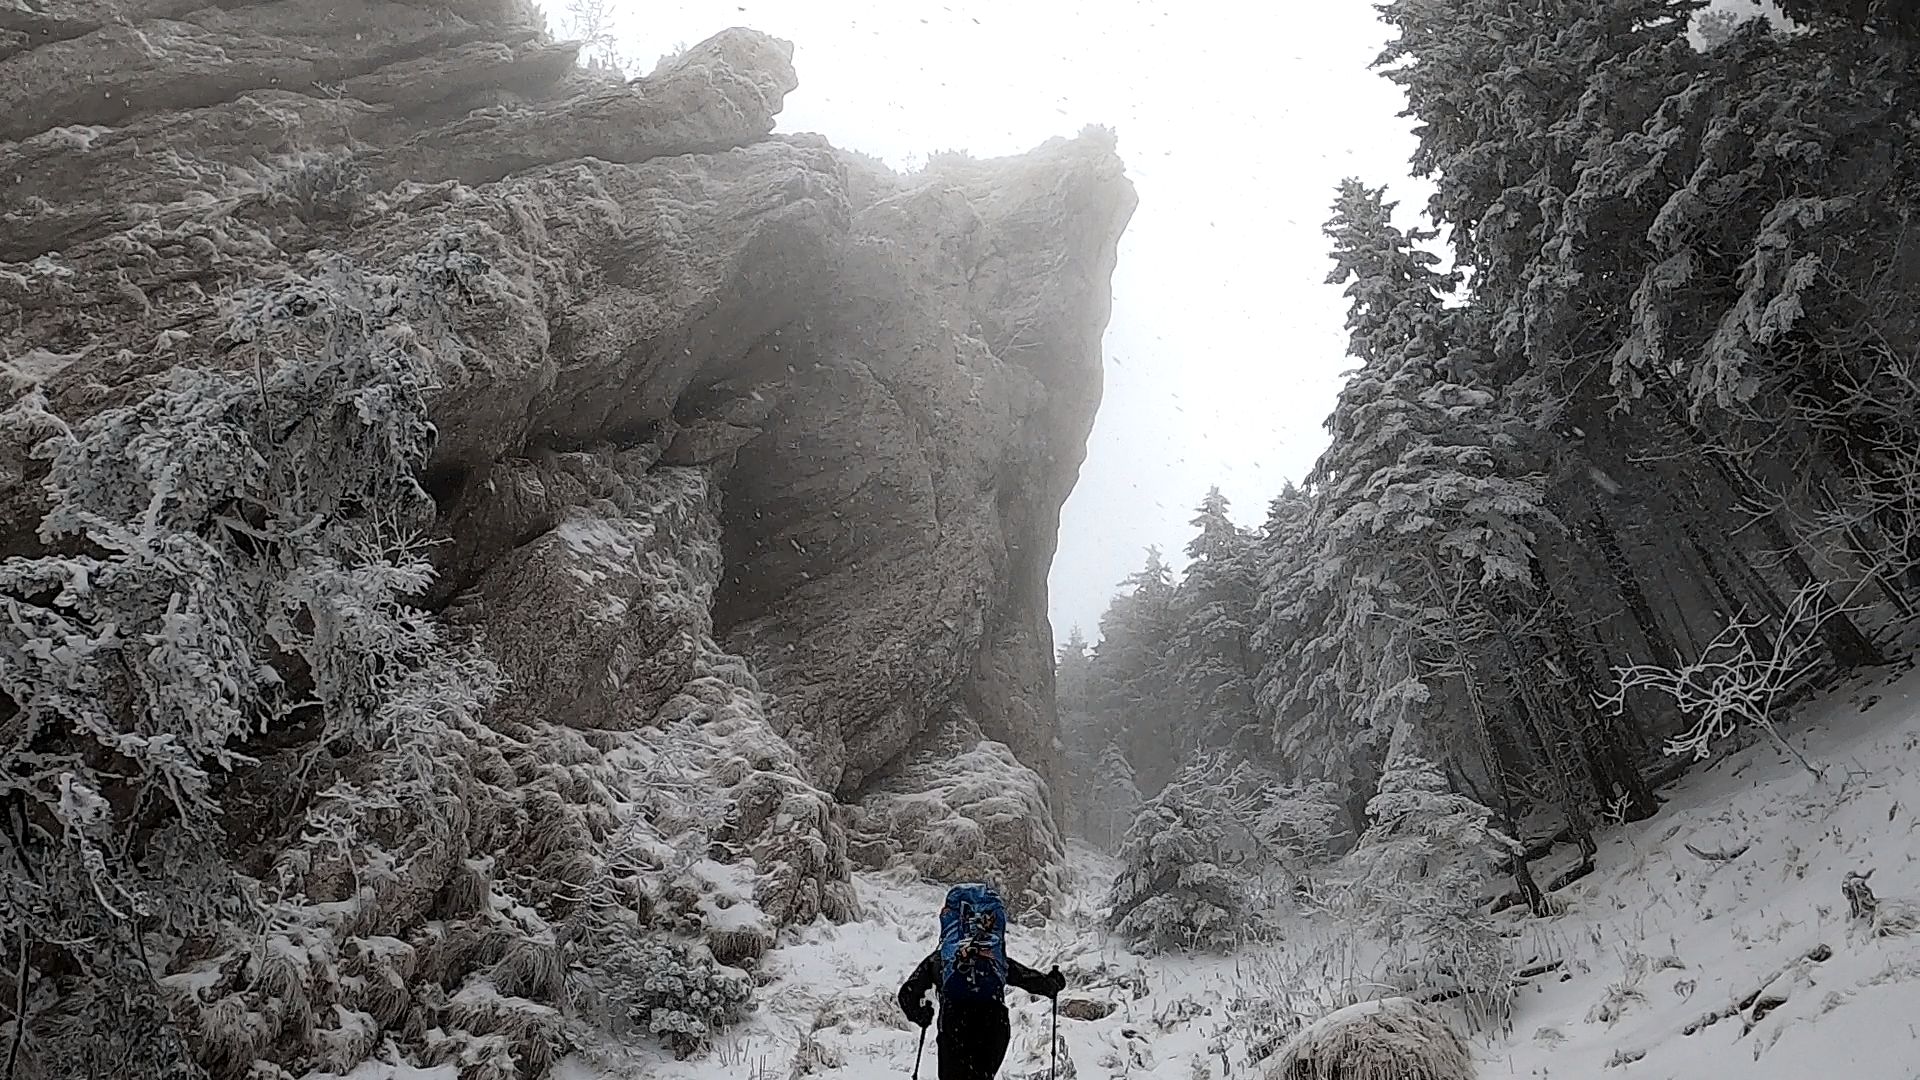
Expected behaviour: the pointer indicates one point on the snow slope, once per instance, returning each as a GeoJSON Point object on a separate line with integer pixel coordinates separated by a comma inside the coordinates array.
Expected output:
{"type": "Point", "coordinates": [1672, 964]}
{"type": "Point", "coordinates": [1662, 943]}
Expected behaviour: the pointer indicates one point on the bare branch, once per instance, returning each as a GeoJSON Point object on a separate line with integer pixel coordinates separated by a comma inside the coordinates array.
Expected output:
{"type": "Point", "coordinates": [1732, 683]}
{"type": "Point", "coordinates": [1724, 855]}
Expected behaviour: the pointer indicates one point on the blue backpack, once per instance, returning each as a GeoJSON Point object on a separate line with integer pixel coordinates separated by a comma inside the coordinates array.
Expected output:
{"type": "Point", "coordinates": [973, 945]}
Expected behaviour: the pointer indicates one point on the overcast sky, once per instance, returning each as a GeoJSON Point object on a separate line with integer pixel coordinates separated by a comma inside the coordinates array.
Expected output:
{"type": "Point", "coordinates": [1225, 349]}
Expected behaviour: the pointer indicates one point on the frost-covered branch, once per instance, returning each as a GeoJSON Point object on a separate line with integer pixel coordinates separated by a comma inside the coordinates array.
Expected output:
{"type": "Point", "coordinates": [232, 556]}
{"type": "Point", "coordinates": [1738, 679]}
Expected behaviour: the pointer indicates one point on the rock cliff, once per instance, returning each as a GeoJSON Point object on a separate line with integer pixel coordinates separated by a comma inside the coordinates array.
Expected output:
{"type": "Point", "coordinates": [481, 531]}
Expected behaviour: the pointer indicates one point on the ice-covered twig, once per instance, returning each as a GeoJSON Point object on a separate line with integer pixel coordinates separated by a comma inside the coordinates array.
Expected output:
{"type": "Point", "coordinates": [1735, 682]}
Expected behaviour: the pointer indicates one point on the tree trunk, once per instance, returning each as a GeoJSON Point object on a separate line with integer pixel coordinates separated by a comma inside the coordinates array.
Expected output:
{"type": "Point", "coordinates": [1614, 557]}
{"type": "Point", "coordinates": [1605, 735]}
{"type": "Point", "coordinates": [1846, 644]}
{"type": "Point", "coordinates": [1483, 730]}
{"type": "Point", "coordinates": [1535, 711]}
{"type": "Point", "coordinates": [1758, 638]}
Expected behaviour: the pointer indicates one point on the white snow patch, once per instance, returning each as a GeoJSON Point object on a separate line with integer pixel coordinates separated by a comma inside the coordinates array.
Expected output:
{"type": "Point", "coordinates": [79, 137]}
{"type": "Point", "coordinates": [389, 1067]}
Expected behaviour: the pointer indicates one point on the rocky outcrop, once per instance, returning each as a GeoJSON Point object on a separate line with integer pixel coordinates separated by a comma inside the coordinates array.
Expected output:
{"type": "Point", "coordinates": [746, 462]}
{"type": "Point", "coordinates": [890, 536]}
{"type": "Point", "coordinates": [962, 807]}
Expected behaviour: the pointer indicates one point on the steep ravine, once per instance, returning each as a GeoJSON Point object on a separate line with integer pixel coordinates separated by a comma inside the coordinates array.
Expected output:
{"type": "Point", "coordinates": [746, 463]}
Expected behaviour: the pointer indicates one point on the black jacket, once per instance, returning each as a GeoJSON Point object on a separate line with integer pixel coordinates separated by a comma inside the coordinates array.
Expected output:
{"type": "Point", "coordinates": [927, 975]}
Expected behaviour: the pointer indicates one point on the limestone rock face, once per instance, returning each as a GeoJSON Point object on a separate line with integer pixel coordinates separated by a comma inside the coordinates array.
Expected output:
{"type": "Point", "coordinates": [890, 535]}
{"type": "Point", "coordinates": [746, 467]}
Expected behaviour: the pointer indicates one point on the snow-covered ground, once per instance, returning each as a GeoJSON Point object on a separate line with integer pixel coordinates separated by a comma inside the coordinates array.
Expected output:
{"type": "Point", "coordinates": [1672, 964]}
{"type": "Point", "coordinates": [1680, 965]}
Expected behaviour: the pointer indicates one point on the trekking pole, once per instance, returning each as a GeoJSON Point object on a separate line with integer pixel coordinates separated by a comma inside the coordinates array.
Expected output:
{"type": "Point", "coordinates": [1053, 1044]}
{"type": "Point", "coordinates": [918, 1052]}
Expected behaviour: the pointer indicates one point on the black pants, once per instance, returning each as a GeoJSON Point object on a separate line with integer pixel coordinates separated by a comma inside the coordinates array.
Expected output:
{"type": "Point", "coordinates": [972, 1041]}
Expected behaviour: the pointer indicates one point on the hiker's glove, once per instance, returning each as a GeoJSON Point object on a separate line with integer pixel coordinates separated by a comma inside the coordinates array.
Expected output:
{"type": "Point", "coordinates": [921, 1014]}
{"type": "Point", "coordinates": [1056, 982]}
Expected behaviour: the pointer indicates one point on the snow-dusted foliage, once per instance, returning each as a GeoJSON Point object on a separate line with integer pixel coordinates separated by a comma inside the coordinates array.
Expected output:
{"type": "Point", "coordinates": [266, 808]}
{"type": "Point", "coordinates": [1416, 879]}
{"type": "Point", "coordinates": [1300, 827]}
{"type": "Point", "coordinates": [1738, 679]}
{"type": "Point", "coordinates": [1209, 656]}
{"type": "Point", "coordinates": [1114, 798]}
{"type": "Point", "coordinates": [641, 987]}
{"type": "Point", "coordinates": [1276, 827]}
{"type": "Point", "coordinates": [1178, 887]}
{"type": "Point", "coordinates": [234, 564]}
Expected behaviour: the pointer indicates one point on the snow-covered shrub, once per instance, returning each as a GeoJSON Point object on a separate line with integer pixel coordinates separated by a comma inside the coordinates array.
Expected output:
{"type": "Point", "coordinates": [1288, 827]}
{"type": "Point", "coordinates": [1388, 1039]}
{"type": "Point", "coordinates": [632, 984]}
{"type": "Point", "coordinates": [1258, 1022]}
{"type": "Point", "coordinates": [1175, 888]}
{"type": "Point", "coordinates": [1301, 826]}
{"type": "Point", "coordinates": [322, 188]}
{"type": "Point", "coordinates": [1416, 878]}
{"type": "Point", "coordinates": [232, 556]}
{"type": "Point", "coordinates": [1740, 676]}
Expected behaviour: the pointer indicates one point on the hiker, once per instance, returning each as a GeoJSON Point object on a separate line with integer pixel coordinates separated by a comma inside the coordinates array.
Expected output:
{"type": "Point", "coordinates": [971, 970]}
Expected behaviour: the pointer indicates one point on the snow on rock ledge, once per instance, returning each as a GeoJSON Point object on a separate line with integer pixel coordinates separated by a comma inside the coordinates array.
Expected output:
{"type": "Point", "coordinates": [963, 808]}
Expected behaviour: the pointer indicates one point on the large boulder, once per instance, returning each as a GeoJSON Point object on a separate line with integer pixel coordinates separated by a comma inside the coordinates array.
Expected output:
{"type": "Point", "coordinates": [961, 807]}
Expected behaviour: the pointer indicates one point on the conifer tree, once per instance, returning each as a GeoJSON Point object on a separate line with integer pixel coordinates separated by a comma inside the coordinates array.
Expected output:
{"type": "Point", "coordinates": [1429, 523]}
{"type": "Point", "coordinates": [1176, 888]}
{"type": "Point", "coordinates": [1210, 654]}
{"type": "Point", "coordinates": [1115, 798]}
{"type": "Point", "coordinates": [1133, 689]}
{"type": "Point", "coordinates": [1299, 689]}
{"type": "Point", "coordinates": [1082, 737]}
{"type": "Point", "coordinates": [1416, 878]}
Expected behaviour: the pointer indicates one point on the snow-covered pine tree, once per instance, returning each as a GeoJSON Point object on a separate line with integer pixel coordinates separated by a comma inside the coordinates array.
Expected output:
{"type": "Point", "coordinates": [1279, 831]}
{"type": "Point", "coordinates": [1302, 826]}
{"type": "Point", "coordinates": [1114, 800]}
{"type": "Point", "coordinates": [1175, 888]}
{"type": "Point", "coordinates": [1210, 654]}
{"type": "Point", "coordinates": [1133, 691]}
{"type": "Point", "coordinates": [1082, 738]}
{"type": "Point", "coordinates": [1763, 297]}
{"type": "Point", "coordinates": [1429, 521]}
{"type": "Point", "coordinates": [1382, 418]}
{"type": "Point", "coordinates": [1552, 199]}
{"type": "Point", "coordinates": [1321, 688]}
{"type": "Point", "coordinates": [1416, 879]}
{"type": "Point", "coordinates": [1507, 98]}
{"type": "Point", "coordinates": [1300, 690]}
